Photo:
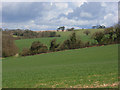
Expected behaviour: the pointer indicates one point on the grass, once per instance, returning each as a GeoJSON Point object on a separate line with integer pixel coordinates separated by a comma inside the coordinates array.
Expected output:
{"type": "Point", "coordinates": [64, 35]}
{"type": "Point", "coordinates": [79, 68]}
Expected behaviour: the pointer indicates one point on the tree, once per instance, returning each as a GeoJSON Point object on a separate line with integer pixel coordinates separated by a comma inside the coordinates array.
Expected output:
{"type": "Point", "coordinates": [36, 45]}
{"type": "Point", "coordinates": [74, 42]}
{"type": "Point", "coordinates": [58, 29]}
{"type": "Point", "coordinates": [8, 46]}
{"type": "Point", "coordinates": [98, 26]}
{"type": "Point", "coordinates": [71, 29]}
{"type": "Point", "coordinates": [61, 28]}
{"type": "Point", "coordinates": [64, 45]}
{"type": "Point", "coordinates": [98, 36]}
{"type": "Point", "coordinates": [110, 32]}
{"type": "Point", "coordinates": [71, 43]}
{"type": "Point", "coordinates": [37, 48]}
{"type": "Point", "coordinates": [86, 32]}
{"type": "Point", "coordinates": [53, 45]}
{"type": "Point", "coordinates": [93, 27]}
{"type": "Point", "coordinates": [103, 26]}
{"type": "Point", "coordinates": [117, 32]}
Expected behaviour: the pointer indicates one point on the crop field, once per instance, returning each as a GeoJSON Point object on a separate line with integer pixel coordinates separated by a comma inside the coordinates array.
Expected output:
{"type": "Point", "coordinates": [64, 35]}
{"type": "Point", "coordinates": [78, 68]}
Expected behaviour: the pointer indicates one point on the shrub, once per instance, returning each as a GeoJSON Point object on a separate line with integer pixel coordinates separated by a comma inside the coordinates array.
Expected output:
{"type": "Point", "coordinates": [8, 46]}
{"type": "Point", "coordinates": [53, 45]}
{"type": "Point", "coordinates": [37, 48]}
{"type": "Point", "coordinates": [71, 43]}
{"type": "Point", "coordinates": [79, 44]}
{"type": "Point", "coordinates": [117, 32]}
{"type": "Point", "coordinates": [70, 29]}
{"type": "Point", "coordinates": [74, 42]}
{"type": "Point", "coordinates": [44, 49]}
{"type": "Point", "coordinates": [109, 32]}
{"type": "Point", "coordinates": [87, 44]}
{"type": "Point", "coordinates": [112, 34]}
{"type": "Point", "coordinates": [63, 46]}
{"type": "Point", "coordinates": [87, 32]}
{"type": "Point", "coordinates": [36, 45]}
{"type": "Point", "coordinates": [98, 36]}
{"type": "Point", "coordinates": [25, 52]}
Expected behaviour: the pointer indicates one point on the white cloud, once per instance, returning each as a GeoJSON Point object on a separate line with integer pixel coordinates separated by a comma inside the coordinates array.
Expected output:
{"type": "Point", "coordinates": [68, 11]}
{"type": "Point", "coordinates": [108, 16]}
{"type": "Point", "coordinates": [53, 15]}
{"type": "Point", "coordinates": [61, 5]}
{"type": "Point", "coordinates": [78, 4]}
{"type": "Point", "coordinates": [110, 19]}
{"type": "Point", "coordinates": [85, 14]}
{"type": "Point", "coordinates": [103, 4]}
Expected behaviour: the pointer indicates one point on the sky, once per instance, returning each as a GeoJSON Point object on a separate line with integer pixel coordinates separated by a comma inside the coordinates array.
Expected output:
{"type": "Point", "coordinates": [51, 15]}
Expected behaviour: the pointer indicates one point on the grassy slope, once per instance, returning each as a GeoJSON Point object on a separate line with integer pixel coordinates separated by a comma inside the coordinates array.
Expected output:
{"type": "Point", "coordinates": [64, 35]}
{"type": "Point", "coordinates": [90, 67]}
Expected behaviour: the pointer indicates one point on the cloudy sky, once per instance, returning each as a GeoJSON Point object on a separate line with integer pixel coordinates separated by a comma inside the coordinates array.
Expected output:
{"type": "Point", "coordinates": [50, 15]}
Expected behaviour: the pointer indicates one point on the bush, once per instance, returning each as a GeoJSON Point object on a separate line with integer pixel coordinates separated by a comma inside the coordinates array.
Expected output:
{"type": "Point", "coordinates": [44, 49]}
{"type": "Point", "coordinates": [98, 36]}
{"type": "Point", "coordinates": [108, 30]}
{"type": "Point", "coordinates": [63, 46]}
{"type": "Point", "coordinates": [87, 44]}
{"type": "Point", "coordinates": [71, 43]}
{"type": "Point", "coordinates": [117, 32]}
{"type": "Point", "coordinates": [25, 52]}
{"type": "Point", "coordinates": [87, 32]}
{"type": "Point", "coordinates": [37, 48]}
{"type": "Point", "coordinates": [8, 46]}
{"type": "Point", "coordinates": [36, 45]}
{"type": "Point", "coordinates": [74, 42]}
{"type": "Point", "coordinates": [70, 29]}
{"type": "Point", "coordinates": [109, 34]}
{"type": "Point", "coordinates": [53, 45]}
{"type": "Point", "coordinates": [112, 34]}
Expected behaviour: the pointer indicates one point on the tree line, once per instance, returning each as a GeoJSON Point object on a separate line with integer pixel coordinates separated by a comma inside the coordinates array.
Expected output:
{"type": "Point", "coordinates": [63, 29]}
{"type": "Point", "coordinates": [98, 27]}
{"type": "Point", "coordinates": [25, 34]}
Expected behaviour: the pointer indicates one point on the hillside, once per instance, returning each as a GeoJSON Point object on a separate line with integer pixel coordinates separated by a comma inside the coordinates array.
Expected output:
{"type": "Point", "coordinates": [64, 35]}
{"type": "Point", "coordinates": [79, 68]}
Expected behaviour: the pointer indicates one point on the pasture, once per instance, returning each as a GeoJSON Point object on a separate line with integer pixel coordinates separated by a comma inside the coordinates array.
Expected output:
{"type": "Point", "coordinates": [78, 68]}
{"type": "Point", "coordinates": [64, 35]}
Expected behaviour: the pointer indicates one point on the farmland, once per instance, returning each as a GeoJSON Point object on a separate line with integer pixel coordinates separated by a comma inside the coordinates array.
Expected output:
{"type": "Point", "coordinates": [60, 45]}
{"type": "Point", "coordinates": [78, 68]}
{"type": "Point", "coordinates": [64, 35]}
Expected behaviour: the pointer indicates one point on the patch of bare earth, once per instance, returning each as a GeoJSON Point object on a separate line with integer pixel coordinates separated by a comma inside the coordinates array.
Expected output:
{"type": "Point", "coordinates": [40, 84]}
{"type": "Point", "coordinates": [96, 85]}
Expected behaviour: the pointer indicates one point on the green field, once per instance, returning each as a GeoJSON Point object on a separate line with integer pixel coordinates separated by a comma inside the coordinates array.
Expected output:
{"type": "Point", "coordinates": [64, 35]}
{"type": "Point", "coordinates": [79, 68]}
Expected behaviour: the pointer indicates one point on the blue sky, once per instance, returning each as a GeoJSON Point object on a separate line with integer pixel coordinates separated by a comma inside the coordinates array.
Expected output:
{"type": "Point", "coordinates": [50, 15]}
